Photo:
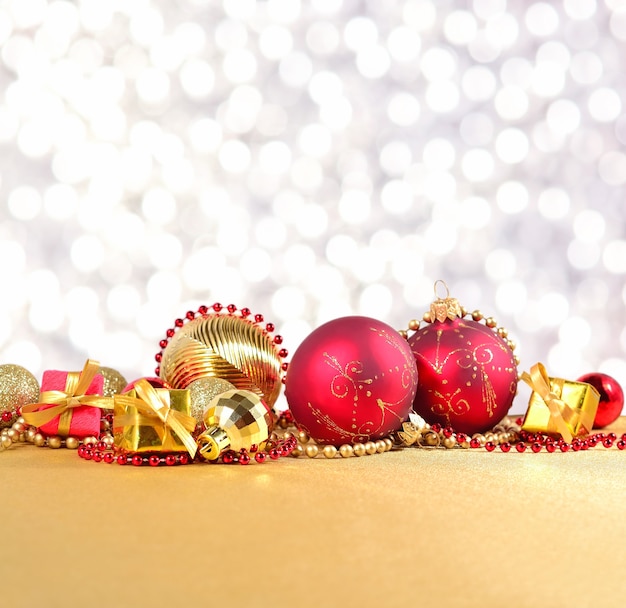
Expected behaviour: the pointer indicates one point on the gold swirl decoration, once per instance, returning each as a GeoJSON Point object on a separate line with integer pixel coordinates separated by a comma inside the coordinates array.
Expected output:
{"type": "Point", "coordinates": [229, 347]}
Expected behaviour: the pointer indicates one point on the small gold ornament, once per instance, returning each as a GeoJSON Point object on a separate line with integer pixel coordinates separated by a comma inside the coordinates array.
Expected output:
{"type": "Point", "coordinates": [114, 382]}
{"type": "Point", "coordinates": [203, 391]}
{"type": "Point", "coordinates": [228, 347]}
{"type": "Point", "coordinates": [17, 388]}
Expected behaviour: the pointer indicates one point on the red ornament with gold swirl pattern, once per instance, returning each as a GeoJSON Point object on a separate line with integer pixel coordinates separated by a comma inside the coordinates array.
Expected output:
{"type": "Point", "coordinates": [467, 371]}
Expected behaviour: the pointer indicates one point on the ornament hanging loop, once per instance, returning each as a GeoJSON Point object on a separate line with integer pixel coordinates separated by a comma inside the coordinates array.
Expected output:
{"type": "Point", "coordinates": [444, 308]}
{"type": "Point", "coordinates": [445, 285]}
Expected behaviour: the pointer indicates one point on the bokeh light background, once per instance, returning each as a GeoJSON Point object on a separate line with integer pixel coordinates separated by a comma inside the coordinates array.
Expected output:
{"type": "Point", "coordinates": [311, 160]}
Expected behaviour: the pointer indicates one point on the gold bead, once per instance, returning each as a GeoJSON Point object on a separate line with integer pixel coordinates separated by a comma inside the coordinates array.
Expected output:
{"type": "Point", "coordinates": [39, 440]}
{"type": "Point", "coordinates": [414, 324]}
{"type": "Point", "coordinates": [431, 438]}
{"type": "Point", "coordinates": [105, 425]}
{"type": "Point", "coordinates": [22, 438]}
{"type": "Point", "coordinates": [358, 449]}
{"type": "Point", "coordinates": [6, 441]}
{"type": "Point", "coordinates": [330, 451]}
{"type": "Point", "coordinates": [516, 359]}
{"type": "Point", "coordinates": [503, 437]}
{"type": "Point", "coordinates": [381, 446]}
{"type": "Point", "coordinates": [311, 450]}
{"type": "Point", "coordinates": [463, 310]}
{"type": "Point", "coordinates": [502, 332]}
{"type": "Point", "coordinates": [108, 440]}
{"type": "Point", "coordinates": [477, 315]}
{"type": "Point", "coordinates": [490, 437]}
{"type": "Point", "coordinates": [427, 317]}
{"type": "Point", "coordinates": [303, 437]}
{"type": "Point", "coordinates": [403, 334]}
{"type": "Point", "coordinates": [481, 438]}
{"type": "Point", "coordinates": [21, 420]}
{"type": "Point", "coordinates": [88, 440]}
{"type": "Point", "coordinates": [346, 450]}
{"type": "Point", "coordinates": [13, 434]}
{"type": "Point", "coordinates": [30, 434]}
{"type": "Point", "coordinates": [511, 344]}
{"type": "Point", "coordinates": [465, 444]}
{"type": "Point", "coordinates": [388, 443]}
{"type": "Point", "coordinates": [449, 442]}
{"type": "Point", "coordinates": [287, 435]}
{"type": "Point", "coordinates": [71, 443]}
{"type": "Point", "coordinates": [490, 322]}
{"type": "Point", "coordinates": [370, 447]}
{"type": "Point", "coordinates": [283, 423]}
{"type": "Point", "coordinates": [54, 442]}
{"type": "Point", "coordinates": [298, 451]}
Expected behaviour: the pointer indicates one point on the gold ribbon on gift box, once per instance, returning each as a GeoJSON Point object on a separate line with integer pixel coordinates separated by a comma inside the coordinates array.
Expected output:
{"type": "Point", "coordinates": [564, 419]}
{"type": "Point", "coordinates": [152, 408]}
{"type": "Point", "coordinates": [64, 402]}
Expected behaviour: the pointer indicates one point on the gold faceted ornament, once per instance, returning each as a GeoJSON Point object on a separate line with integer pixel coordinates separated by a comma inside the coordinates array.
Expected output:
{"type": "Point", "coordinates": [114, 382]}
{"type": "Point", "coordinates": [202, 392]}
{"type": "Point", "coordinates": [232, 348]}
{"type": "Point", "coordinates": [234, 420]}
{"type": "Point", "coordinates": [18, 387]}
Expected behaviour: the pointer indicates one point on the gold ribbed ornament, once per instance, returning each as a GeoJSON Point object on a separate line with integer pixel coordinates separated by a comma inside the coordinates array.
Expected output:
{"type": "Point", "coordinates": [227, 347]}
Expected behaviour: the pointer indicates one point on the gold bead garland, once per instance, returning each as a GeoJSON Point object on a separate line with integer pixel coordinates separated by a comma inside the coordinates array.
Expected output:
{"type": "Point", "coordinates": [20, 432]}
{"type": "Point", "coordinates": [308, 447]}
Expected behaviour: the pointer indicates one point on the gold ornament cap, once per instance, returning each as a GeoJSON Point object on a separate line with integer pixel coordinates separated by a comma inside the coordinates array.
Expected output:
{"type": "Point", "coordinates": [444, 308]}
{"type": "Point", "coordinates": [213, 442]}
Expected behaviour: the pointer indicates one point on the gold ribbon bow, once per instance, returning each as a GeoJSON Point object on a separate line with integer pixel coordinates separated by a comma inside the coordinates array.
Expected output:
{"type": "Point", "coordinates": [561, 415]}
{"type": "Point", "coordinates": [152, 409]}
{"type": "Point", "coordinates": [64, 402]}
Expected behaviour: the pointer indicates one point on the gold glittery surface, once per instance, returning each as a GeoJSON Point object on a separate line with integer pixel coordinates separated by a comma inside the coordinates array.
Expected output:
{"type": "Point", "coordinates": [17, 387]}
{"type": "Point", "coordinates": [227, 347]}
{"type": "Point", "coordinates": [203, 391]}
{"type": "Point", "coordinates": [114, 382]}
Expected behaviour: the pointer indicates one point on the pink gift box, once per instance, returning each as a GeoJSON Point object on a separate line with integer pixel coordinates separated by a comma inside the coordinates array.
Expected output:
{"type": "Point", "coordinates": [85, 419]}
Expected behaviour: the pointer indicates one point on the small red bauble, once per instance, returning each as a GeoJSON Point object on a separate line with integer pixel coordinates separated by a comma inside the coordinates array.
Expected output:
{"type": "Point", "coordinates": [153, 381]}
{"type": "Point", "coordinates": [611, 398]}
{"type": "Point", "coordinates": [468, 375]}
{"type": "Point", "coordinates": [352, 379]}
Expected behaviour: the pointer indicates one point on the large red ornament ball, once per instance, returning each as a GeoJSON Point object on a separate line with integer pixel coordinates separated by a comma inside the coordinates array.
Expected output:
{"type": "Point", "coordinates": [468, 375]}
{"type": "Point", "coordinates": [352, 379]}
{"type": "Point", "coordinates": [611, 398]}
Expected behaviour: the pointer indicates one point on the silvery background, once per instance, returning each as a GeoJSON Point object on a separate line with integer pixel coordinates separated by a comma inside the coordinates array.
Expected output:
{"type": "Point", "coordinates": [310, 160]}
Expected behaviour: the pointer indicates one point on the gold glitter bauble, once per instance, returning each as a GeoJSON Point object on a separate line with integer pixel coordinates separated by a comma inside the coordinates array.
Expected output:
{"type": "Point", "coordinates": [114, 382]}
{"type": "Point", "coordinates": [203, 391]}
{"type": "Point", "coordinates": [18, 387]}
{"type": "Point", "coordinates": [228, 347]}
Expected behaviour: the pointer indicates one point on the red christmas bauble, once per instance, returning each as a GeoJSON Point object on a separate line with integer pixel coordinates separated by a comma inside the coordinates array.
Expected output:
{"type": "Point", "coordinates": [611, 398]}
{"type": "Point", "coordinates": [468, 375]}
{"type": "Point", "coordinates": [352, 379]}
{"type": "Point", "coordinates": [155, 382]}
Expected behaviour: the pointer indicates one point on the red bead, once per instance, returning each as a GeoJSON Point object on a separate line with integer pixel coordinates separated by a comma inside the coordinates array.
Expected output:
{"type": "Point", "coordinates": [158, 357]}
{"type": "Point", "coordinates": [564, 447]}
{"type": "Point", "coordinates": [274, 454]}
{"type": "Point", "coordinates": [278, 339]}
{"type": "Point", "coordinates": [258, 318]}
{"type": "Point", "coordinates": [154, 460]}
{"type": "Point", "coordinates": [97, 456]}
{"type": "Point", "coordinates": [447, 432]}
{"type": "Point", "coordinates": [6, 416]}
{"type": "Point", "coordinates": [183, 459]}
{"type": "Point", "coordinates": [170, 333]}
{"type": "Point", "coordinates": [607, 443]}
{"type": "Point", "coordinates": [88, 454]}
{"type": "Point", "coordinates": [474, 443]}
{"type": "Point", "coordinates": [505, 447]}
{"type": "Point", "coordinates": [121, 459]}
{"type": "Point", "coordinates": [283, 352]}
{"type": "Point", "coordinates": [170, 460]}
{"type": "Point", "coordinates": [101, 446]}
{"type": "Point", "coordinates": [461, 437]}
{"type": "Point", "coordinates": [284, 366]}
{"type": "Point", "coordinates": [436, 428]}
{"type": "Point", "coordinates": [109, 457]}
{"type": "Point", "coordinates": [270, 327]}
{"type": "Point", "coordinates": [621, 444]}
{"type": "Point", "coordinates": [254, 448]}
{"type": "Point", "coordinates": [190, 315]}
{"type": "Point", "coordinates": [228, 457]}
{"type": "Point", "coordinates": [612, 436]}
{"type": "Point", "coordinates": [520, 447]}
{"type": "Point", "coordinates": [157, 370]}
{"type": "Point", "coordinates": [490, 446]}
{"type": "Point", "coordinates": [245, 312]}
{"type": "Point", "coordinates": [137, 460]}
{"type": "Point", "coordinates": [260, 457]}
{"type": "Point", "coordinates": [163, 343]}
{"type": "Point", "coordinates": [536, 447]}
{"type": "Point", "coordinates": [244, 459]}
{"type": "Point", "coordinates": [550, 447]}
{"type": "Point", "coordinates": [576, 446]}
{"type": "Point", "coordinates": [231, 308]}
{"type": "Point", "coordinates": [179, 323]}
{"type": "Point", "coordinates": [203, 309]}
{"type": "Point", "coordinates": [217, 307]}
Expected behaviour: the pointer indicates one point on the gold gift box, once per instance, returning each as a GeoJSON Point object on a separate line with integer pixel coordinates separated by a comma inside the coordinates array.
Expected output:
{"type": "Point", "coordinates": [582, 398]}
{"type": "Point", "coordinates": [135, 432]}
